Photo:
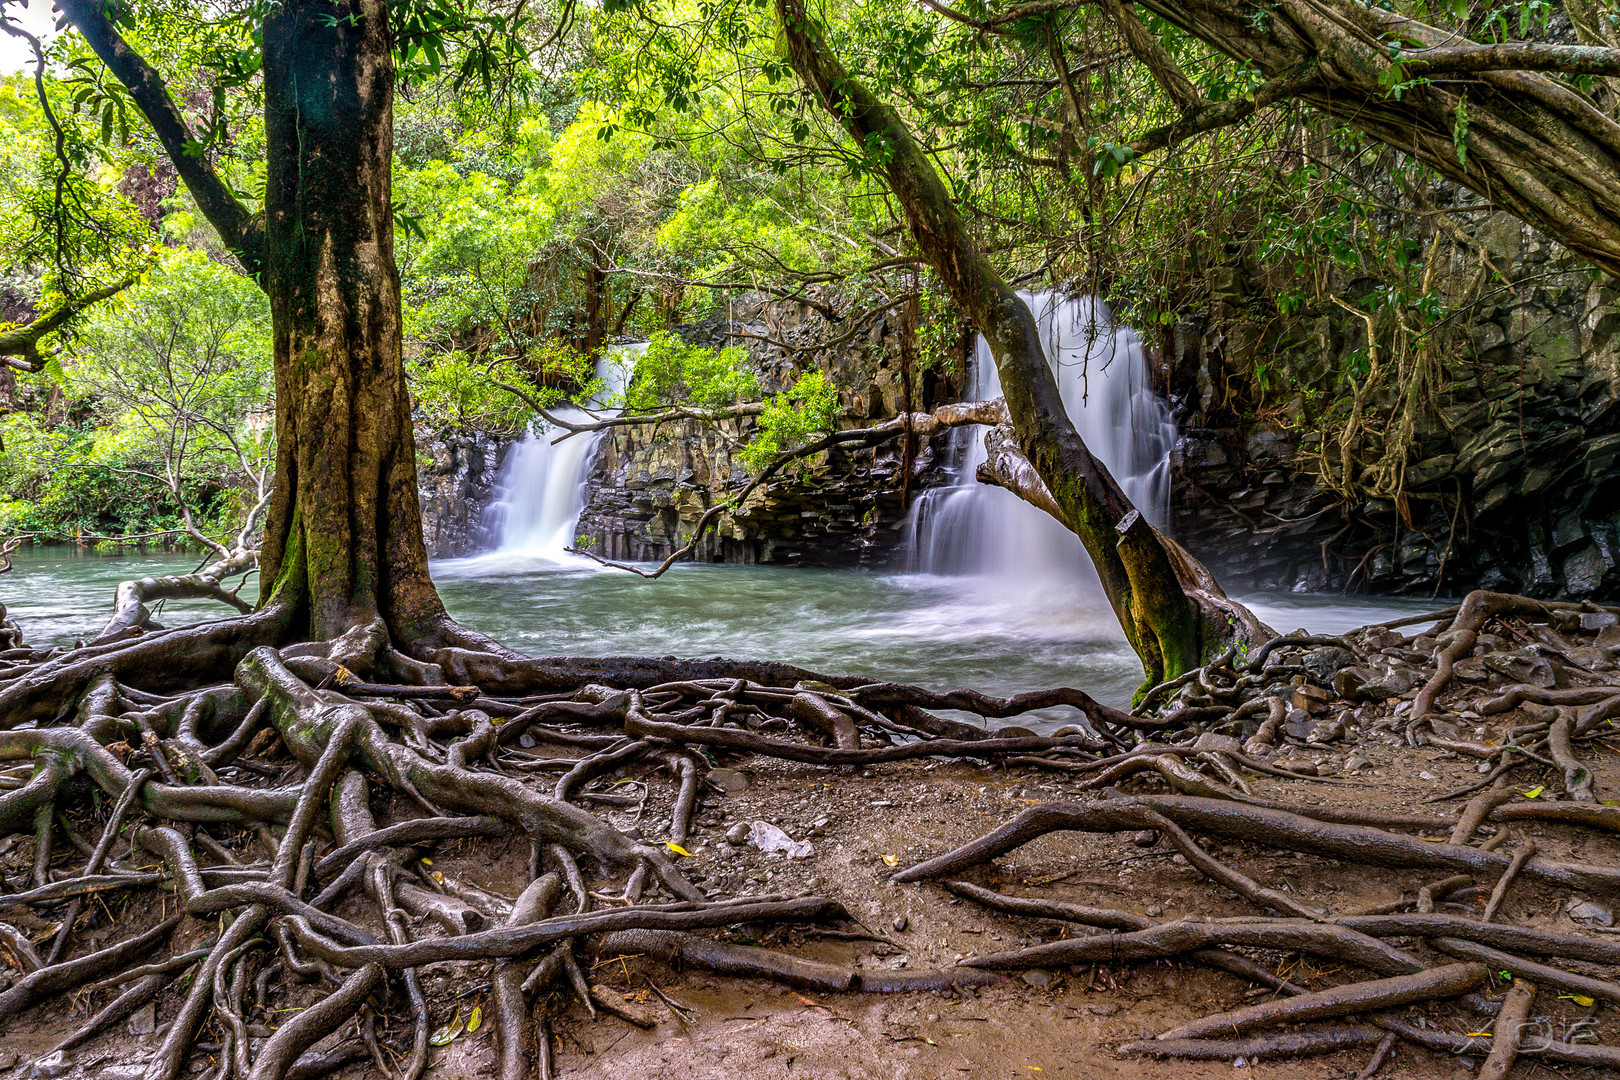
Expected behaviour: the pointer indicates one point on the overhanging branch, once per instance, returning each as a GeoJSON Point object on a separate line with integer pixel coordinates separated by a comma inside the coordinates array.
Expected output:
{"type": "Point", "coordinates": [242, 230]}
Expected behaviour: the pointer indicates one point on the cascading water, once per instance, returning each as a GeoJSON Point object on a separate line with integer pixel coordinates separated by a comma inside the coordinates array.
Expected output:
{"type": "Point", "coordinates": [541, 487]}
{"type": "Point", "coordinates": [974, 529]}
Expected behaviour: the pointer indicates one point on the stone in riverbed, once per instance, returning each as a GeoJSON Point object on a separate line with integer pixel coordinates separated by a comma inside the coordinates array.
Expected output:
{"type": "Point", "coordinates": [1320, 664]}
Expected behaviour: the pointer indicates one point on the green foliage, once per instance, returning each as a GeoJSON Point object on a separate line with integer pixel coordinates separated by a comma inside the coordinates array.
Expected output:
{"type": "Point", "coordinates": [455, 392]}
{"type": "Point", "coordinates": [672, 371]}
{"type": "Point", "coordinates": [793, 418]}
{"type": "Point", "coordinates": [168, 385]}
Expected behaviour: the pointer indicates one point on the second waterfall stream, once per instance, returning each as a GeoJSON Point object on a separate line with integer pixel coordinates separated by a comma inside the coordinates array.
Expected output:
{"type": "Point", "coordinates": [969, 529]}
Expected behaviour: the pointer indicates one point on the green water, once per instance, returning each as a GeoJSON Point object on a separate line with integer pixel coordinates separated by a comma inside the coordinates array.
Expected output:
{"type": "Point", "coordinates": [998, 634]}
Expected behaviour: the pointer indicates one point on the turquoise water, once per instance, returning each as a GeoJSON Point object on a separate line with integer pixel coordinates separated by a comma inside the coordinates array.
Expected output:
{"type": "Point", "coordinates": [939, 632]}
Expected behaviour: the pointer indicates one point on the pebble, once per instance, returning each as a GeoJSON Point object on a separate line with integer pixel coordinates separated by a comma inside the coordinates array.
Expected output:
{"type": "Point", "coordinates": [1426, 775]}
{"type": "Point", "coordinates": [1355, 763]}
{"type": "Point", "coordinates": [1107, 1008]}
{"type": "Point", "coordinates": [50, 1066]}
{"type": "Point", "coordinates": [1145, 838]}
{"type": "Point", "coordinates": [1153, 911]}
{"type": "Point", "coordinates": [729, 781]}
{"type": "Point", "coordinates": [8, 1058]}
{"type": "Point", "coordinates": [901, 922]}
{"type": "Point", "coordinates": [738, 833]}
{"type": "Point", "coordinates": [1587, 913]}
{"type": "Point", "coordinates": [1037, 977]}
{"type": "Point", "coordinates": [144, 1019]}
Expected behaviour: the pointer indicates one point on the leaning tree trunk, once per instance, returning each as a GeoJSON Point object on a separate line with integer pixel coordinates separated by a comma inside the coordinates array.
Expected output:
{"type": "Point", "coordinates": [343, 537]}
{"type": "Point", "coordinates": [1169, 607]}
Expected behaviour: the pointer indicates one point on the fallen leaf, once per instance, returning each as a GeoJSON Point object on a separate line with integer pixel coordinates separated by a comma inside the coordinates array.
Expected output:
{"type": "Point", "coordinates": [1580, 999]}
{"type": "Point", "coordinates": [890, 860]}
{"type": "Point", "coordinates": [426, 861]}
{"type": "Point", "coordinates": [475, 1020]}
{"type": "Point", "coordinates": [447, 1034]}
{"type": "Point", "coordinates": [677, 849]}
{"type": "Point", "coordinates": [1533, 792]}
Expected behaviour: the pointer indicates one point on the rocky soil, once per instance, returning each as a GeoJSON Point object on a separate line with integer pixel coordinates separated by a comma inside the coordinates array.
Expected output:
{"type": "Point", "coordinates": [1347, 741]}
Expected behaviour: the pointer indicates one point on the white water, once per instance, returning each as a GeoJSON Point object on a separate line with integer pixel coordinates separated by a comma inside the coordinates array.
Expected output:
{"type": "Point", "coordinates": [976, 530]}
{"type": "Point", "coordinates": [541, 487]}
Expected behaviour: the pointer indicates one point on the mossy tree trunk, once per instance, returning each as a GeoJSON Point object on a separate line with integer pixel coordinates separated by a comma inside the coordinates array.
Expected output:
{"type": "Point", "coordinates": [343, 546]}
{"type": "Point", "coordinates": [343, 534]}
{"type": "Point", "coordinates": [1160, 596]}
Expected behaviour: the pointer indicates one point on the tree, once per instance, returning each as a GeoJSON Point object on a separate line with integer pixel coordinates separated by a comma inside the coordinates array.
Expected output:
{"type": "Point", "coordinates": [349, 655]}
{"type": "Point", "coordinates": [180, 367]}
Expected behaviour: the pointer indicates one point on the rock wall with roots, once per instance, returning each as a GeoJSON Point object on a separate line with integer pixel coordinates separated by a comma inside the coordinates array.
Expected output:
{"type": "Point", "coordinates": [1482, 454]}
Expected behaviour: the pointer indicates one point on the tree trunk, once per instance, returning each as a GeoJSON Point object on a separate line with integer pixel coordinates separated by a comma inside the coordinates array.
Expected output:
{"type": "Point", "coordinates": [1171, 623]}
{"type": "Point", "coordinates": [343, 536]}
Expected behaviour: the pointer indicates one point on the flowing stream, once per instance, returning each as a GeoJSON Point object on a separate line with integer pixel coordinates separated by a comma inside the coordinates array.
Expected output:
{"type": "Point", "coordinates": [912, 628]}
{"type": "Point", "coordinates": [992, 594]}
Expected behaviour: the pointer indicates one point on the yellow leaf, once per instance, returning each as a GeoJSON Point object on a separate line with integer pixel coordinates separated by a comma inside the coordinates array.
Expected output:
{"type": "Point", "coordinates": [1037, 1068]}
{"type": "Point", "coordinates": [1580, 999]}
{"type": "Point", "coordinates": [438, 877]}
{"type": "Point", "coordinates": [890, 860]}
{"type": "Point", "coordinates": [1610, 802]}
{"type": "Point", "coordinates": [426, 861]}
{"type": "Point", "coordinates": [475, 1020]}
{"type": "Point", "coordinates": [1533, 792]}
{"type": "Point", "coordinates": [447, 1034]}
{"type": "Point", "coordinates": [677, 849]}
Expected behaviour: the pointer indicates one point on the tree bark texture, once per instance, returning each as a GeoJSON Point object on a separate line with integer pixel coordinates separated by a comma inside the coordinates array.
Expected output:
{"type": "Point", "coordinates": [343, 537]}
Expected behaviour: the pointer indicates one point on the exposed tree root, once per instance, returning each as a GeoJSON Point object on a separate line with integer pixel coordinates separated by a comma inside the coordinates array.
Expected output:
{"type": "Point", "coordinates": [296, 750]}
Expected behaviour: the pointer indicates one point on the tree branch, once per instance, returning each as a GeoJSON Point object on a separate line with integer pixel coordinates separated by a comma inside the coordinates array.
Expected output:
{"type": "Point", "coordinates": [242, 231]}
{"type": "Point", "coordinates": [1512, 56]}
{"type": "Point", "coordinates": [922, 425]}
{"type": "Point", "coordinates": [19, 346]}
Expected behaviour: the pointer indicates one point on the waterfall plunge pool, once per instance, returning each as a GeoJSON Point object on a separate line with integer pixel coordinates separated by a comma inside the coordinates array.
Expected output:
{"type": "Point", "coordinates": [939, 632]}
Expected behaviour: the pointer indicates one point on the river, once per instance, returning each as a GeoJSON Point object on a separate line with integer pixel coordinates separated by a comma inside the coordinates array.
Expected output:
{"type": "Point", "coordinates": [936, 631]}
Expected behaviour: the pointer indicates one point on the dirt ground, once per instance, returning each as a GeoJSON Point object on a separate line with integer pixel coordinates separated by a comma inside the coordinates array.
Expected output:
{"type": "Point", "coordinates": [862, 825]}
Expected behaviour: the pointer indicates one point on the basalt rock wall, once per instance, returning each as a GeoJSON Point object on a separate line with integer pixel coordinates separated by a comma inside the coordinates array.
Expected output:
{"type": "Point", "coordinates": [1513, 480]}
{"type": "Point", "coordinates": [455, 475]}
{"type": "Point", "coordinates": [649, 486]}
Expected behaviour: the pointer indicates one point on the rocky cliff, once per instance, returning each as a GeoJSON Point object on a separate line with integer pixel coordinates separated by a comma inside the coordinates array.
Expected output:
{"type": "Point", "coordinates": [1511, 482]}
{"type": "Point", "coordinates": [455, 476]}
{"type": "Point", "coordinates": [649, 486]}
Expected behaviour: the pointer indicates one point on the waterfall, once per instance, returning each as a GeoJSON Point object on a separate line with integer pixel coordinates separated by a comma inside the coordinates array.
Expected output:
{"type": "Point", "coordinates": [540, 490]}
{"type": "Point", "coordinates": [972, 529]}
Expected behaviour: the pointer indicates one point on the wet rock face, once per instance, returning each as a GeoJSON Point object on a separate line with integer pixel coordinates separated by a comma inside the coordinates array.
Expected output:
{"type": "Point", "coordinates": [455, 475]}
{"type": "Point", "coordinates": [1526, 438]}
{"type": "Point", "coordinates": [648, 487]}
